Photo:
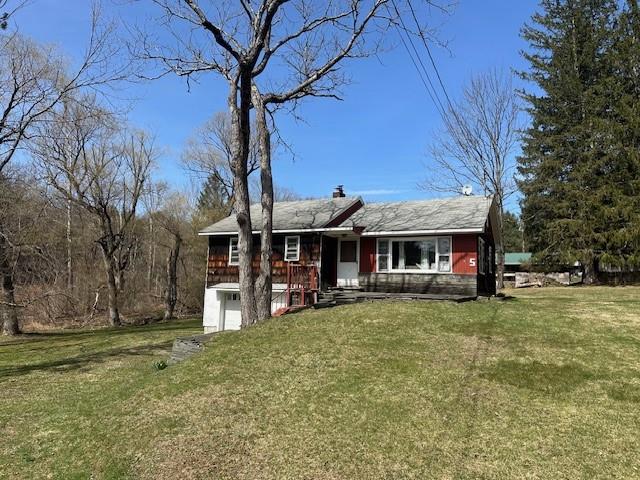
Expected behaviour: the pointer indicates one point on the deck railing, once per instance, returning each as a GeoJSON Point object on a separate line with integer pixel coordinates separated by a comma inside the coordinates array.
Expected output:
{"type": "Point", "coordinates": [302, 284]}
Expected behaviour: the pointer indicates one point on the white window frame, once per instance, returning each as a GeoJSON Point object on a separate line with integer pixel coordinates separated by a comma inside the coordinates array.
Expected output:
{"type": "Point", "coordinates": [286, 248]}
{"type": "Point", "coordinates": [231, 241]}
{"type": "Point", "coordinates": [378, 254]}
{"type": "Point", "coordinates": [390, 268]}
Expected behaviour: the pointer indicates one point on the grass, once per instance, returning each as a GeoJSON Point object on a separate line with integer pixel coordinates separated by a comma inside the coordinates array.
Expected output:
{"type": "Point", "coordinates": [546, 385]}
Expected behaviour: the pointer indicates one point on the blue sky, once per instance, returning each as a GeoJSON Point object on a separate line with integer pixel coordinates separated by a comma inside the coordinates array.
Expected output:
{"type": "Point", "coordinates": [374, 142]}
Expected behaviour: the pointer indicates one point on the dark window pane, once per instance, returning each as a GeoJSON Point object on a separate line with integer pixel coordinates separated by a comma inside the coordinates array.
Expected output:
{"type": "Point", "coordinates": [412, 255]}
{"type": "Point", "coordinates": [348, 251]}
{"type": "Point", "coordinates": [395, 255]}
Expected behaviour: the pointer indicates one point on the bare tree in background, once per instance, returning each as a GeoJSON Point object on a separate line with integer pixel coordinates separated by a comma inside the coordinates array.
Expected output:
{"type": "Point", "coordinates": [171, 217]}
{"type": "Point", "coordinates": [282, 51]}
{"type": "Point", "coordinates": [476, 145]}
{"type": "Point", "coordinates": [7, 10]}
{"type": "Point", "coordinates": [103, 170]}
{"type": "Point", "coordinates": [209, 152]}
{"type": "Point", "coordinates": [33, 82]}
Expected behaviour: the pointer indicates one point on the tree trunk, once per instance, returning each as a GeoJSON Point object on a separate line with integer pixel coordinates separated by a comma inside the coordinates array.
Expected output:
{"type": "Point", "coordinates": [500, 268]}
{"type": "Point", "coordinates": [240, 127]}
{"type": "Point", "coordinates": [8, 310]}
{"type": "Point", "coordinates": [171, 297]}
{"type": "Point", "coordinates": [590, 272]}
{"type": "Point", "coordinates": [265, 279]}
{"type": "Point", "coordinates": [500, 247]}
{"type": "Point", "coordinates": [112, 287]}
{"type": "Point", "coordinates": [69, 247]}
{"type": "Point", "coordinates": [152, 254]}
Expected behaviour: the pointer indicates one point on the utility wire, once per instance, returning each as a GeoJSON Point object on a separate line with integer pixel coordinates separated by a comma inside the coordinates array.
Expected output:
{"type": "Point", "coordinates": [422, 73]}
{"type": "Point", "coordinates": [426, 46]}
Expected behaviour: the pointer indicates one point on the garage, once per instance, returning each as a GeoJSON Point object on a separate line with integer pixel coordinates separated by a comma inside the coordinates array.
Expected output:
{"type": "Point", "coordinates": [232, 315]}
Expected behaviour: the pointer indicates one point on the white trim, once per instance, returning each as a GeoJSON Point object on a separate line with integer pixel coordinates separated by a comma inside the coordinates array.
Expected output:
{"type": "Point", "coordinates": [363, 234]}
{"type": "Point", "coordinates": [388, 254]}
{"type": "Point", "coordinates": [293, 230]}
{"type": "Point", "coordinates": [286, 247]}
{"type": "Point", "coordinates": [416, 271]}
{"type": "Point", "coordinates": [235, 287]}
{"type": "Point", "coordinates": [441, 233]}
{"type": "Point", "coordinates": [229, 262]}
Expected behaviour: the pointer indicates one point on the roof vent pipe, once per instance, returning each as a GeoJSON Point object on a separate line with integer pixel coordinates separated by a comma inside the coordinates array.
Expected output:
{"type": "Point", "coordinates": [339, 192]}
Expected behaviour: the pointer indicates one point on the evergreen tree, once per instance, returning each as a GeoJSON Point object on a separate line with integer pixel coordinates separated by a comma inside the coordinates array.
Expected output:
{"type": "Point", "coordinates": [579, 162]}
{"type": "Point", "coordinates": [213, 196]}
{"type": "Point", "coordinates": [512, 233]}
{"type": "Point", "coordinates": [213, 202]}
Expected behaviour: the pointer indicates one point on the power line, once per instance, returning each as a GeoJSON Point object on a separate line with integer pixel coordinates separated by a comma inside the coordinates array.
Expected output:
{"type": "Point", "coordinates": [432, 91]}
{"type": "Point", "coordinates": [426, 45]}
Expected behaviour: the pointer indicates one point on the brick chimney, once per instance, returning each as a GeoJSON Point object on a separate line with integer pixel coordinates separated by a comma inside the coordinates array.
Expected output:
{"type": "Point", "coordinates": [339, 192]}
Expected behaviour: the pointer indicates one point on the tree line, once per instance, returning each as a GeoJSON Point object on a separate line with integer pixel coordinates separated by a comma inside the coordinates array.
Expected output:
{"type": "Point", "coordinates": [580, 163]}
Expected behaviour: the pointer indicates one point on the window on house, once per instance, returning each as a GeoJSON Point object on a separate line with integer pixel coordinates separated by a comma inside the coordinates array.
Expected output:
{"type": "Point", "coordinates": [481, 256]}
{"type": "Point", "coordinates": [234, 256]}
{"type": "Point", "coordinates": [444, 254]}
{"type": "Point", "coordinates": [382, 256]}
{"type": "Point", "coordinates": [292, 248]}
{"type": "Point", "coordinates": [419, 255]}
{"type": "Point", "coordinates": [348, 251]}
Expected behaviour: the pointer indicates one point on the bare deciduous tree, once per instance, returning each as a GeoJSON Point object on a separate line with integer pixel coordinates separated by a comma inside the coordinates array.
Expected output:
{"type": "Point", "coordinates": [103, 170]}
{"type": "Point", "coordinates": [282, 51]}
{"type": "Point", "coordinates": [476, 144]}
{"type": "Point", "coordinates": [33, 81]}
{"type": "Point", "coordinates": [209, 152]}
{"type": "Point", "coordinates": [171, 217]}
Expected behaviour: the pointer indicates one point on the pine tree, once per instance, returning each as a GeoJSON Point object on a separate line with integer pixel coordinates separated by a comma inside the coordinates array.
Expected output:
{"type": "Point", "coordinates": [213, 202]}
{"type": "Point", "coordinates": [512, 234]}
{"type": "Point", "coordinates": [213, 196]}
{"type": "Point", "coordinates": [578, 168]}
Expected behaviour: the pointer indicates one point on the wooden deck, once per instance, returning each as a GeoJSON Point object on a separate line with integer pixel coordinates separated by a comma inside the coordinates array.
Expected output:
{"type": "Point", "coordinates": [344, 297]}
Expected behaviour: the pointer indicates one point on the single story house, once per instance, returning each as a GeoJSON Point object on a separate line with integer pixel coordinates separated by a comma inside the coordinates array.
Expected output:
{"type": "Point", "coordinates": [441, 246]}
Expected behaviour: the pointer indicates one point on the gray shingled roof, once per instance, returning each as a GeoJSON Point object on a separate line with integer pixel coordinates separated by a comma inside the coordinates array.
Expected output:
{"type": "Point", "coordinates": [300, 215]}
{"type": "Point", "coordinates": [463, 212]}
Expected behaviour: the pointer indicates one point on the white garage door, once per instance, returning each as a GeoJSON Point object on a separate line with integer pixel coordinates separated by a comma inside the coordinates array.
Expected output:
{"type": "Point", "coordinates": [232, 316]}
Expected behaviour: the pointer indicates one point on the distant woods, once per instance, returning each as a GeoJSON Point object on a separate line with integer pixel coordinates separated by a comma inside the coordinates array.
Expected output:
{"type": "Point", "coordinates": [88, 235]}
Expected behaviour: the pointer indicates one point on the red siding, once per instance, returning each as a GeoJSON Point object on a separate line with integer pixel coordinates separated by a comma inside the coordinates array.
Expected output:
{"type": "Point", "coordinates": [367, 254]}
{"type": "Point", "coordinates": [465, 254]}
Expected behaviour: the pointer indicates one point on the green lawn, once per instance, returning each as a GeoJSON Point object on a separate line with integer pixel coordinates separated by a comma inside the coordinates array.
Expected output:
{"type": "Point", "coordinates": [546, 385]}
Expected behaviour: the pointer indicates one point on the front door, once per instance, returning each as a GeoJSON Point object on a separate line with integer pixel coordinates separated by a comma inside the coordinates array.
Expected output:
{"type": "Point", "coordinates": [348, 262]}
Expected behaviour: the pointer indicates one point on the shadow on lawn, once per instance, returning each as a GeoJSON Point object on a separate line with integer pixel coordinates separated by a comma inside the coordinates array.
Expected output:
{"type": "Point", "coordinates": [81, 334]}
{"type": "Point", "coordinates": [538, 376]}
{"type": "Point", "coordinates": [82, 362]}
